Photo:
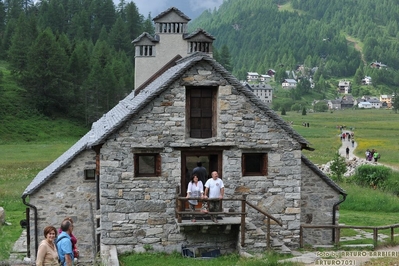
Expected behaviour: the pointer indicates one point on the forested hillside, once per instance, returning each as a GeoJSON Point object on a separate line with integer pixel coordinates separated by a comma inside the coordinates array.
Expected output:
{"type": "Point", "coordinates": [339, 37]}
{"type": "Point", "coordinates": [74, 58]}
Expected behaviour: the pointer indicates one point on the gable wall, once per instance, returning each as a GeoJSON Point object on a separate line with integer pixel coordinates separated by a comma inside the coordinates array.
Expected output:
{"type": "Point", "coordinates": [317, 203]}
{"type": "Point", "coordinates": [139, 211]}
{"type": "Point", "coordinates": [68, 195]}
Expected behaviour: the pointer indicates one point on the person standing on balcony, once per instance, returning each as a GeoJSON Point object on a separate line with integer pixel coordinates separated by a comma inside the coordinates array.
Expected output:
{"type": "Point", "coordinates": [201, 172]}
{"type": "Point", "coordinates": [195, 190]}
{"type": "Point", "coordinates": [215, 187]}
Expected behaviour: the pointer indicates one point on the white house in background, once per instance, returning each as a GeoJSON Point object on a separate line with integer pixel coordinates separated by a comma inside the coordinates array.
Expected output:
{"type": "Point", "coordinates": [265, 78]}
{"type": "Point", "coordinates": [263, 91]}
{"type": "Point", "coordinates": [365, 105]}
{"type": "Point", "coordinates": [252, 76]}
{"type": "Point", "coordinates": [289, 84]}
{"type": "Point", "coordinates": [367, 80]}
{"type": "Point", "coordinates": [375, 103]}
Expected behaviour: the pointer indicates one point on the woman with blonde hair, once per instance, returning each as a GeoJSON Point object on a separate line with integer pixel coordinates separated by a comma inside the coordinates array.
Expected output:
{"type": "Point", "coordinates": [47, 252]}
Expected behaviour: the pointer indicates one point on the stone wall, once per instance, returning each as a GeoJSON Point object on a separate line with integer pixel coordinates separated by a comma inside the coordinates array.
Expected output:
{"type": "Point", "coordinates": [68, 195]}
{"type": "Point", "coordinates": [136, 212]}
{"type": "Point", "coordinates": [317, 200]}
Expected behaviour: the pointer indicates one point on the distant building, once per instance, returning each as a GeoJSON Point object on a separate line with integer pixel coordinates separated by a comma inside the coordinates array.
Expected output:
{"type": "Point", "coordinates": [366, 80]}
{"type": "Point", "coordinates": [387, 99]}
{"type": "Point", "coordinates": [365, 105]}
{"type": "Point", "coordinates": [378, 65]}
{"type": "Point", "coordinates": [289, 84]}
{"type": "Point", "coordinates": [271, 72]}
{"type": "Point", "coordinates": [344, 86]}
{"type": "Point", "coordinates": [264, 78]}
{"type": "Point", "coordinates": [263, 91]}
{"type": "Point", "coordinates": [252, 76]}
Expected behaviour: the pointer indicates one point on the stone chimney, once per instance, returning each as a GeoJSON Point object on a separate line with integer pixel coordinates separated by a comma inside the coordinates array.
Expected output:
{"type": "Point", "coordinates": [154, 54]}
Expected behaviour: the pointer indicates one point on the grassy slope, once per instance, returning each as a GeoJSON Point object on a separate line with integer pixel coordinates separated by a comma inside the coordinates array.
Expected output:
{"type": "Point", "coordinates": [28, 143]}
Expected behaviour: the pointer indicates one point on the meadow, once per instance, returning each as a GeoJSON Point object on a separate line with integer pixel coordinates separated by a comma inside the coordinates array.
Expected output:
{"type": "Point", "coordinates": [373, 129]}
{"type": "Point", "coordinates": [20, 161]}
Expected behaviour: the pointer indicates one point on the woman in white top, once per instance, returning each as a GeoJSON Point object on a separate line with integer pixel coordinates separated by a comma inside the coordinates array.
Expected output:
{"type": "Point", "coordinates": [195, 190]}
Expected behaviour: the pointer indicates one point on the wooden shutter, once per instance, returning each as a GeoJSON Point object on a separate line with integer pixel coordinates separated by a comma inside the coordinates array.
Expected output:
{"type": "Point", "coordinates": [265, 163]}
{"type": "Point", "coordinates": [158, 165]}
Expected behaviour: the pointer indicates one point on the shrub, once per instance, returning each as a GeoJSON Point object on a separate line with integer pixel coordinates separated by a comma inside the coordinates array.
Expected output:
{"type": "Point", "coordinates": [338, 167]}
{"type": "Point", "coordinates": [369, 175]}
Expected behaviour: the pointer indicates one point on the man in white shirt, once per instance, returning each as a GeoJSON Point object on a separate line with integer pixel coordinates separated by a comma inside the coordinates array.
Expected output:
{"type": "Point", "coordinates": [215, 187]}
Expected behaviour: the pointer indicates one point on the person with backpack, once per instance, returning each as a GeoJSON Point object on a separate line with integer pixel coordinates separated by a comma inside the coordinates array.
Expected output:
{"type": "Point", "coordinates": [74, 240]}
{"type": "Point", "coordinates": [47, 252]}
{"type": "Point", "coordinates": [64, 244]}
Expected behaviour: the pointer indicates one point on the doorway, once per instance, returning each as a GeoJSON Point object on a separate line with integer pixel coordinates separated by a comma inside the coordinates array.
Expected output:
{"type": "Point", "coordinates": [211, 160]}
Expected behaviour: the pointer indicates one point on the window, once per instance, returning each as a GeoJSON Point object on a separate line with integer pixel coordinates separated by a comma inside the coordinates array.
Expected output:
{"type": "Point", "coordinates": [90, 174]}
{"type": "Point", "coordinates": [254, 164]}
{"type": "Point", "coordinates": [147, 164]}
{"type": "Point", "coordinates": [145, 50]}
{"type": "Point", "coordinates": [199, 47]}
{"type": "Point", "coordinates": [201, 108]}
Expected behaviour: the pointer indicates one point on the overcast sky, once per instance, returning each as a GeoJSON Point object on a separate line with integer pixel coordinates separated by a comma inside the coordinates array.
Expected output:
{"type": "Point", "coordinates": [191, 8]}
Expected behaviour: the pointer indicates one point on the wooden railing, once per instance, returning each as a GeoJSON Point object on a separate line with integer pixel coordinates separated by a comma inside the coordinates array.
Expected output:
{"type": "Point", "coordinates": [180, 202]}
{"type": "Point", "coordinates": [337, 229]}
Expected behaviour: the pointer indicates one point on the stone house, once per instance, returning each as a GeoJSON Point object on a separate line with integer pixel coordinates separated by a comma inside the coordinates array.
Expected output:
{"type": "Point", "coordinates": [120, 182]}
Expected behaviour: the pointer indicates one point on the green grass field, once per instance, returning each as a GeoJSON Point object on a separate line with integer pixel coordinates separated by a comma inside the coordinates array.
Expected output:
{"type": "Point", "coordinates": [373, 129]}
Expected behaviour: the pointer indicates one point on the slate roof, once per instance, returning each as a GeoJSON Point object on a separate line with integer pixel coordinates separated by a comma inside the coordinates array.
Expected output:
{"type": "Point", "coordinates": [181, 14]}
{"type": "Point", "coordinates": [291, 81]}
{"type": "Point", "coordinates": [322, 175]}
{"type": "Point", "coordinates": [146, 34]}
{"type": "Point", "coordinates": [131, 105]}
{"type": "Point", "coordinates": [196, 32]}
{"type": "Point", "coordinates": [260, 87]}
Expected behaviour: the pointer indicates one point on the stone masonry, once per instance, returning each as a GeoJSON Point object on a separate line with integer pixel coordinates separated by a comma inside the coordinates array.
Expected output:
{"type": "Point", "coordinates": [140, 211]}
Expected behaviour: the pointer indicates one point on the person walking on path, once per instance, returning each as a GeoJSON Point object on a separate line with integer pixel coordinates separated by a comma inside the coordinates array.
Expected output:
{"type": "Point", "coordinates": [347, 152]}
{"type": "Point", "coordinates": [376, 156]}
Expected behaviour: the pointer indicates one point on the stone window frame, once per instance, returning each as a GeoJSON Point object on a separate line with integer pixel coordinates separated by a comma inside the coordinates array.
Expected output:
{"type": "Point", "coordinates": [260, 170]}
{"type": "Point", "coordinates": [90, 174]}
{"type": "Point", "coordinates": [193, 114]}
{"type": "Point", "coordinates": [204, 47]}
{"type": "Point", "coordinates": [156, 165]}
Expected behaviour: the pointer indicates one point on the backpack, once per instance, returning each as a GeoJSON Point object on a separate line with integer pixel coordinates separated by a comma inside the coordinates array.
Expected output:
{"type": "Point", "coordinates": [56, 242]}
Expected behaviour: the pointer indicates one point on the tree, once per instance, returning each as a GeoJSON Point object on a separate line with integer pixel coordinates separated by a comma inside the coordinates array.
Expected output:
{"type": "Point", "coordinates": [338, 167]}
{"type": "Point", "coordinates": [119, 37]}
{"type": "Point", "coordinates": [20, 45]}
{"type": "Point", "coordinates": [395, 104]}
{"type": "Point", "coordinates": [46, 77]}
{"type": "Point", "coordinates": [224, 58]}
{"type": "Point", "coordinates": [304, 111]}
{"type": "Point", "coordinates": [283, 111]}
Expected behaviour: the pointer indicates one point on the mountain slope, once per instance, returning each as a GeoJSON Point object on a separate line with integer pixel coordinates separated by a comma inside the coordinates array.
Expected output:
{"type": "Point", "coordinates": [263, 34]}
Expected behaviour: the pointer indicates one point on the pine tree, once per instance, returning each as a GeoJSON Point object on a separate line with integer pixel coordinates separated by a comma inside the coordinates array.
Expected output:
{"type": "Point", "coordinates": [21, 41]}
{"type": "Point", "coordinates": [46, 77]}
